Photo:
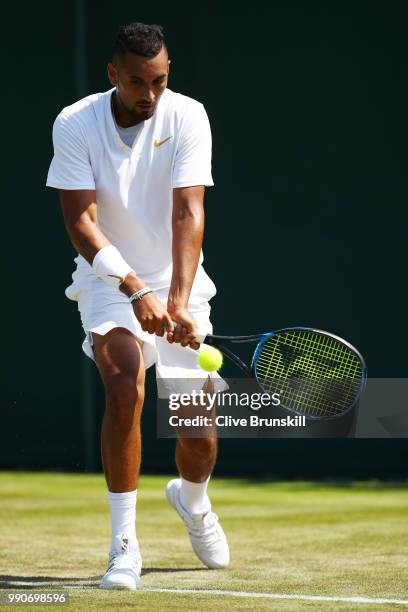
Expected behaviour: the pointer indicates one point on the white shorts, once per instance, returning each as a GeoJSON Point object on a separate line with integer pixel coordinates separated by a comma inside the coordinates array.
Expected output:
{"type": "Point", "coordinates": [103, 308]}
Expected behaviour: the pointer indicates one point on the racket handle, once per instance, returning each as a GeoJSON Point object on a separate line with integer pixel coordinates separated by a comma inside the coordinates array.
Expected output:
{"type": "Point", "coordinates": [200, 338]}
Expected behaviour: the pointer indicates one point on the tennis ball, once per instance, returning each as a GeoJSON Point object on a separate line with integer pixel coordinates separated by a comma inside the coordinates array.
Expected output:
{"type": "Point", "coordinates": [210, 359]}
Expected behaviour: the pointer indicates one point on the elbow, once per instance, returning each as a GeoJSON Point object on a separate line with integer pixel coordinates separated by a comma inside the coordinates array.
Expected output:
{"type": "Point", "coordinates": [189, 210]}
{"type": "Point", "coordinates": [188, 221]}
{"type": "Point", "coordinates": [79, 231]}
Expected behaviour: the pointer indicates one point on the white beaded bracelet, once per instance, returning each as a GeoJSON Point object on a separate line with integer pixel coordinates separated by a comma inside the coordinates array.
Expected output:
{"type": "Point", "coordinates": [139, 294]}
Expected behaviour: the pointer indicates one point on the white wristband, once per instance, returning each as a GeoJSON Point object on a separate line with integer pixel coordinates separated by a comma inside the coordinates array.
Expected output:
{"type": "Point", "coordinates": [110, 266]}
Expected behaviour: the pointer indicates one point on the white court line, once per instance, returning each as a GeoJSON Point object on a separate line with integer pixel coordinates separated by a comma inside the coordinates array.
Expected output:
{"type": "Point", "coordinates": [370, 600]}
{"type": "Point", "coordinates": [356, 599]}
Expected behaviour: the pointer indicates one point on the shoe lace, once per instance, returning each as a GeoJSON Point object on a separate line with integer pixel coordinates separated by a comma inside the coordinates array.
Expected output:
{"type": "Point", "coordinates": [205, 527]}
{"type": "Point", "coordinates": [122, 560]}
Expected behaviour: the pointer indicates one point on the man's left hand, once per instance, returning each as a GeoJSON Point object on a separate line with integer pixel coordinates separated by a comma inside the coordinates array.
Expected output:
{"type": "Point", "coordinates": [185, 328]}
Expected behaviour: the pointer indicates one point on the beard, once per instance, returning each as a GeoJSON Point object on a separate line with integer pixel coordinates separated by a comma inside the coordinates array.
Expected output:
{"type": "Point", "coordinates": [120, 108]}
{"type": "Point", "coordinates": [142, 115]}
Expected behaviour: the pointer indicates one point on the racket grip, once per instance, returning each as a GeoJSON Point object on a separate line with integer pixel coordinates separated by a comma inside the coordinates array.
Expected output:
{"type": "Point", "coordinates": [200, 338]}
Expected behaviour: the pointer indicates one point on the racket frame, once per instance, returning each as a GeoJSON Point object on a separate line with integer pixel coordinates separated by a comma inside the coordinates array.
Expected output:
{"type": "Point", "coordinates": [250, 371]}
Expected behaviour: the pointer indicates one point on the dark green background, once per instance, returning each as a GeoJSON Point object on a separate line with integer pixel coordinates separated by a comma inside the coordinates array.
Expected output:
{"type": "Point", "coordinates": [307, 103]}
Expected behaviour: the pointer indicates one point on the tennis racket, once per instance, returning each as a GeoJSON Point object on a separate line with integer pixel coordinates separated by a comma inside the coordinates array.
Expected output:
{"type": "Point", "coordinates": [315, 373]}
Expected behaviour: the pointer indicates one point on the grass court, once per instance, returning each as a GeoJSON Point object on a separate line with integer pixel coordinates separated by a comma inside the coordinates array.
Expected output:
{"type": "Point", "coordinates": [289, 540]}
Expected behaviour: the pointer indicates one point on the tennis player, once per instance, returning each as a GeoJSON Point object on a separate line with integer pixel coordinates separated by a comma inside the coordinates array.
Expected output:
{"type": "Point", "coordinates": [131, 165]}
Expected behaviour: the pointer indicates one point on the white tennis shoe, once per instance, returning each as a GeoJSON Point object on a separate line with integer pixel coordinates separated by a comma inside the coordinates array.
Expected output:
{"type": "Point", "coordinates": [124, 567]}
{"type": "Point", "coordinates": [206, 535]}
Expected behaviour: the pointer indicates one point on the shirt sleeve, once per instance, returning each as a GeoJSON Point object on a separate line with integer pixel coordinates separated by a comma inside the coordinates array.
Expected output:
{"type": "Point", "coordinates": [192, 164]}
{"type": "Point", "coordinates": [70, 167]}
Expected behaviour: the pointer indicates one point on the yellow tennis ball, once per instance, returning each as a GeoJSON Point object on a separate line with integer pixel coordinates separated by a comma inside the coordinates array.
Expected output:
{"type": "Point", "coordinates": [210, 359]}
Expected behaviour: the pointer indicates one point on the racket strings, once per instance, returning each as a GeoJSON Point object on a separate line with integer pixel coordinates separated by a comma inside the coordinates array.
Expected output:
{"type": "Point", "coordinates": [315, 397]}
{"type": "Point", "coordinates": [311, 374]}
{"type": "Point", "coordinates": [315, 374]}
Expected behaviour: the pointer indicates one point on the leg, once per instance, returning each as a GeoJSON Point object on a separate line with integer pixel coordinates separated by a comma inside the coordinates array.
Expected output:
{"type": "Point", "coordinates": [118, 356]}
{"type": "Point", "coordinates": [195, 457]}
{"type": "Point", "coordinates": [119, 359]}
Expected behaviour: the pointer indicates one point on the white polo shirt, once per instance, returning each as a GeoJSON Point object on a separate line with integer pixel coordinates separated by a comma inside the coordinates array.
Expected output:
{"type": "Point", "coordinates": [133, 184]}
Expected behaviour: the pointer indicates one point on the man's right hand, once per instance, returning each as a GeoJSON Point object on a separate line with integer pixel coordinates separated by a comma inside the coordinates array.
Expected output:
{"type": "Point", "coordinates": [152, 315]}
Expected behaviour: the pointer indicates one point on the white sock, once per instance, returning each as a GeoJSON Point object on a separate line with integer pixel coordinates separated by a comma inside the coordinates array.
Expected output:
{"type": "Point", "coordinates": [123, 520]}
{"type": "Point", "coordinates": [193, 496]}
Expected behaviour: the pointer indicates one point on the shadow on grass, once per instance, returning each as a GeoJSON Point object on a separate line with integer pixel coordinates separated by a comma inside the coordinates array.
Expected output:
{"type": "Point", "coordinates": [172, 570]}
{"type": "Point", "coordinates": [20, 582]}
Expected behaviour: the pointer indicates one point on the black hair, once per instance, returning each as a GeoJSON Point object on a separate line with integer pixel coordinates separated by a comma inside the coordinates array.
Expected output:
{"type": "Point", "coordinates": [139, 38]}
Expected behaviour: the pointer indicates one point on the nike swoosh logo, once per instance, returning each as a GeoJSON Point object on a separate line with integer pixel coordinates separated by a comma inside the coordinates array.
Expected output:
{"type": "Point", "coordinates": [158, 143]}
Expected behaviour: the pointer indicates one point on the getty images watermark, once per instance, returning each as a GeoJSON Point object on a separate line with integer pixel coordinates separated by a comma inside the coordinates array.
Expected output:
{"type": "Point", "coordinates": [208, 401]}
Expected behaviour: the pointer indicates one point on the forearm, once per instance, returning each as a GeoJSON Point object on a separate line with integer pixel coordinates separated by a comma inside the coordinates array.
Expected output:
{"type": "Point", "coordinates": [188, 231]}
{"type": "Point", "coordinates": [87, 238]}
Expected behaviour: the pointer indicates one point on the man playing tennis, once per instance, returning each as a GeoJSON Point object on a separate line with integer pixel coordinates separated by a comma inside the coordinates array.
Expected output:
{"type": "Point", "coordinates": [131, 165]}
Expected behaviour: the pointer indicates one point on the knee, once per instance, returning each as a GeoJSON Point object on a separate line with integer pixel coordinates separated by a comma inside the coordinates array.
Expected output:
{"type": "Point", "coordinates": [124, 392]}
{"type": "Point", "coordinates": [201, 448]}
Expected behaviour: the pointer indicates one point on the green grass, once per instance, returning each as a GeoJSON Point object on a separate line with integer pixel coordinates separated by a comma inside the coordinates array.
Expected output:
{"type": "Point", "coordinates": [298, 537]}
